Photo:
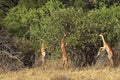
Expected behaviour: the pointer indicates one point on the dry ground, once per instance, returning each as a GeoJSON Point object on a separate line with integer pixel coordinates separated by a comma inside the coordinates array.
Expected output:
{"type": "Point", "coordinates": [53, 71]}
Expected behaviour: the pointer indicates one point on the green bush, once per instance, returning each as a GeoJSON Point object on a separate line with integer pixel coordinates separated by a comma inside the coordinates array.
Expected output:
{"type": "Point", "coordinates": [83, 31]}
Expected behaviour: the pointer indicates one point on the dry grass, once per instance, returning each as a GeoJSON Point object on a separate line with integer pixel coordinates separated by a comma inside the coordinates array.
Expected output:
{"type": "Point", "coordinates": [53, 71]}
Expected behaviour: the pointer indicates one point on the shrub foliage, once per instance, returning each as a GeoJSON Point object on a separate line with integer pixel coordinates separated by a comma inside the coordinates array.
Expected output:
{"type": "Point", "coordinates": [48, 23]}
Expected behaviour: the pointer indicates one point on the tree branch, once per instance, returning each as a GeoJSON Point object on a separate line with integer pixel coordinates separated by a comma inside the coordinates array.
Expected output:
{"type": "Point", "coordinates": [11, 56]}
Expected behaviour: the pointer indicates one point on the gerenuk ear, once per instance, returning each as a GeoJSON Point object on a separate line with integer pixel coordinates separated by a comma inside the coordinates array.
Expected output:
{"type": "Point", "coordinates": [65, 34]}
{"type": "Point", "coordinates": [101, 33]}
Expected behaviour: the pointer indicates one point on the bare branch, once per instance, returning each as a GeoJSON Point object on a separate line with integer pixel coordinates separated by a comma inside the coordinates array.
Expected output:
{"type": "Point", "coordinates": [11, 56]}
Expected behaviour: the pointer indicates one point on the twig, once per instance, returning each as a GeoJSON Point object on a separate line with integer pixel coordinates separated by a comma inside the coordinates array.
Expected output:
{"type": "Point", "coordinates": [11, 56]}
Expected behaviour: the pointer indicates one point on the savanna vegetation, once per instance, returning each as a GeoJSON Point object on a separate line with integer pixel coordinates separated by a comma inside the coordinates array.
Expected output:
{"type": "Point", "coordinates": [28, 24]}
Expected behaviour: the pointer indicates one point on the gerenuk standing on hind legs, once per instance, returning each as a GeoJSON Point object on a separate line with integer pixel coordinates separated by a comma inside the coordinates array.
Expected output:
{"type": "Point", "coordinates": [64, 53]}
{"type": "Point", "coordinates": [107, 48]}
